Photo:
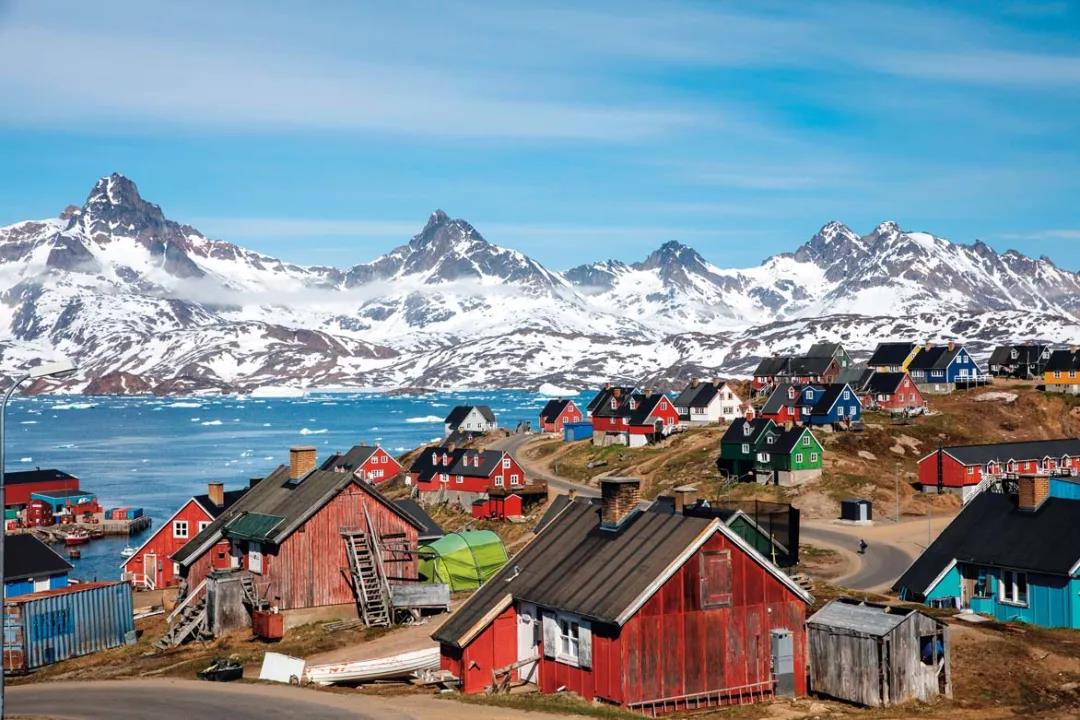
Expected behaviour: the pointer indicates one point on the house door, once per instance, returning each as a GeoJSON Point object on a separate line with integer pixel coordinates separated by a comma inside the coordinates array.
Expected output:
{"type": "Point", "coordinates": [528, 640]}
{"type": "Point", "coordinates": [783, 662]}
{"type": "Point", "coordinates": [255, 558]}
{"type": "Point", "coordinates": [150, 568]}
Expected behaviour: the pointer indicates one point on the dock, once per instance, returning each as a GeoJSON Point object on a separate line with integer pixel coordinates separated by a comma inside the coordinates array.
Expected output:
{"type": "Point", "coordinates": [56, 533]}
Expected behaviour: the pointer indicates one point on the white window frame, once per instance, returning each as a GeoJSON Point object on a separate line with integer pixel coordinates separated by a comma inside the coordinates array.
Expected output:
{"type": "Point", "coordinates": [506, 463]}
{"type": "Point", "coordinates": [746, 448]}
{"type": "Point", "coordinates": [203, 524]}
{"type": "Point", "coordinates": [1009, 592]}
{"type": "Point", "coordinates": [806, 440]}
{"type": "Point", "coordinates": [515, 480]}
{"type": "Point", "coordinates": [460, 479]}
{"type": "Point", "coordinates": [180, 529]}
{"type": "Point", "coordinates": [499, 480]}
{"type": "Point", "coordinates": [798, 457]}
{"type": "Point", "coordinates": [813, 457]}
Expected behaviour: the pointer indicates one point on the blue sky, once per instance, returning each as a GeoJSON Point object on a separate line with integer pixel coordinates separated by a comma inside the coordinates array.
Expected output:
{"type": "Point", "coordinates": [574, 132]}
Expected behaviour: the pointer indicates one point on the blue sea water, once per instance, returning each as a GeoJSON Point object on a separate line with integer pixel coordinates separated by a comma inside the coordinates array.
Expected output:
{"type": "Point", "coordinates": [155, 453]}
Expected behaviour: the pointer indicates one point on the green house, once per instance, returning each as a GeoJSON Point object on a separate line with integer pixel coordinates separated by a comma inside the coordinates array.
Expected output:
{"type": "Point", "coordinates": [761, 450]}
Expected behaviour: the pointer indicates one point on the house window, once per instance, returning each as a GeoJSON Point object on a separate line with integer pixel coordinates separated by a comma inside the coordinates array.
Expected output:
{"type": "Point", "coordinates": [203, 524]}
{"type": "Point", "coordinates": [568, 649]}
{"type": "Point", "coordinates": [514, 480]}
{"type": "Point", "coordinates": [747, 429]}
{"type": "Point", "coordinates": [663, 405]}
{"type": "Point", "coordinates": [715, 579]}
{"type": "Point", "coordinates": [499, 480]}
{"type": "Point", "coordinates": [613, 403]}
{"type": "Point", "coordinates": [506, 463]}
{"type": "Point", "coordinates": [806, 440]}
{"type": "Point", "coordinates": [443, 477]}
{"type": "Point", "coordinates": [982, 583]}
{"type": "Point", "coordinates": [1013, 587]}
{"type": "Point", "coordinates": [746, 448]}
{"type": "Point", "coordinates": [460, 479]}
{"type": "Point", "coordinates": [771, 439]}
{"type": "Point", "coordinates": [384, 459]}
{"type": "Point", "coordinates": [798, 457]}
{"type": "Point", "coordinates": [813, 457]}
{"type": "Point", "coordinates": [1057, 375]}
{"type": "Point", "coordinates": [809, 394]}
{"type": "Point", "coordinates": [971, 470]}
{"type": "Point", "coordinates": [180, 528]}
{"type": "Point", "coordinates": [847, 395]}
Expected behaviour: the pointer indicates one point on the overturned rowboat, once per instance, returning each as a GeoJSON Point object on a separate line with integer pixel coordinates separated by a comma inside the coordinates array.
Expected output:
{"type": "Point", "coordinates": [387, 668]}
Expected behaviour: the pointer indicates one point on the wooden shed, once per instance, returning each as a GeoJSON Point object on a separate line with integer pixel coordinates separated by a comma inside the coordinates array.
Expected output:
{"type": "Point", "coordinates": [878, 655]}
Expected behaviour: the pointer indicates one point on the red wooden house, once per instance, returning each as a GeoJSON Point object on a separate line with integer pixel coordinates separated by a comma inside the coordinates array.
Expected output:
{"type": "Point", "coordinates": [631, 418]}
{"type": "Point", "coordinates": [699, 619]}
{"type": "Point", "coordinates": [961, 469]}
{"type": "Point", "coordinates": [557, 413]}
{"type": "Point", "coordinates": [502, 503]}
{"type": "Point", "coordinates": [893, 392]}
{"type": "Point", "coordinates": [287, 529]}
{"type": "Point", "coordinates": [367, 462]}
{"type": "Point", "coordinates": [151, 566]}
{"type": "Point", "coordinates": [445, 473]}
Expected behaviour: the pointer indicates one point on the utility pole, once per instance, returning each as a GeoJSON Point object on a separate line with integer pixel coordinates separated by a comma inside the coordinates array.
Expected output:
{"type": "Point", "coordinates": [898, 492]}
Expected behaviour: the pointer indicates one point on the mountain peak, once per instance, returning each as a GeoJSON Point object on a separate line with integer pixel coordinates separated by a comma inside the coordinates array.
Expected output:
{"type": "Point", "coordinates": [672, 253]}
{"type": "Point", "coordinates": [115, 198]}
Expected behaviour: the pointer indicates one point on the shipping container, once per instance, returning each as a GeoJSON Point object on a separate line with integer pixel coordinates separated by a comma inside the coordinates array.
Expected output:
{"type": "Point", "coordinates": [46, 627]}
{"type": "Point", "coordinates": [134, 513]}
{"type": "Point", "coordinates": [577, 431]}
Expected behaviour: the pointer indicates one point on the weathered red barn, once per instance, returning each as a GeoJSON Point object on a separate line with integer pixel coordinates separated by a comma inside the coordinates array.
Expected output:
{"type": "Point", "coordinates": [962, 469]}
{"type": "Point", "coordinates": [650, 611]}
{"type": "Point", "coordinates": [151, 566]}
{"type": "Point", "coordinates": [367, 462]}
{"type": "Point", "coordinates": [20, 485]}
{"type": "Point", "coordinates": [288, 530]}
{"type": "Point", "coordinates": [557, 413]}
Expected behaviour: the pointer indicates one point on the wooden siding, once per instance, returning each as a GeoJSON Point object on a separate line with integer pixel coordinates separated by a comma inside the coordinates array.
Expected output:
{"type": "Point", "coordinates": [311, 569]}
{"type": "Point", "coordinates": [878, 671]}
{"type": "Point", "coordinates": [162, 544]}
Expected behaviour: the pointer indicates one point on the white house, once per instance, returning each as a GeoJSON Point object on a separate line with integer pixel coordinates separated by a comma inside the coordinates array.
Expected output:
{"type": "Point", "coordinates": [470, 419]}
{"type": "Point", "coordinates": [708, 402]}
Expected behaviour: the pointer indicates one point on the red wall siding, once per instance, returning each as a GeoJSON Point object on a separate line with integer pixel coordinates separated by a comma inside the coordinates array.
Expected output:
{"type": "Point", "coordinates": [570, 414]}
{"type": "Point", "coordinates": [609, 424]}
{"type": "Point", "coordinates": [495, 647]}
{"type": "Point", "coordinates": [380, 460]}
{"type": "Point", "coordinates": [499, 476]}
{"type": "Point", "coordinates": [162, 544]}
{"type": "Point", "coordinates": [20, 494]}
{"type": "Point", "coordinates": [311, 569]}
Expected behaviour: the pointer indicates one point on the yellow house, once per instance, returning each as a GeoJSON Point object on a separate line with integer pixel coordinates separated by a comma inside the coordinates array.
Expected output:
{"type": "Point", "coordinates": [1062, 372]}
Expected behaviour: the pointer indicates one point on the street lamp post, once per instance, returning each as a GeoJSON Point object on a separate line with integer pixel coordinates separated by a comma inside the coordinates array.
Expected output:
{"type": "Point", "coordinates": [51, 369]}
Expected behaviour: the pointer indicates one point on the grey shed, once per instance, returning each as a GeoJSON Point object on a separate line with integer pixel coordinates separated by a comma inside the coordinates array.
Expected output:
{"type": "Point", "coordinates": [877, 655]}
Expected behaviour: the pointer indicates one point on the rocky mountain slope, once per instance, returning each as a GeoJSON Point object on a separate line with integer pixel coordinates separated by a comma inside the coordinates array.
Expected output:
{"type": "Point", "coordinates": [143, 303]}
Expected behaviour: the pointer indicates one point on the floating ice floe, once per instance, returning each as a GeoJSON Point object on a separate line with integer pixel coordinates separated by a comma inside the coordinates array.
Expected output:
{"type": "Point", "coordinates": [212, 422]}
{"type": "Point", "coordinates": [74, 406]}
{"type": "Point", "coordinates": [183, 404]}
{"type": "Point", "coordinates": [309, 431]}
{"type": "Point", "coordinates": [424, 419]}
{"type": "Point", "coordinates": [549, 390]}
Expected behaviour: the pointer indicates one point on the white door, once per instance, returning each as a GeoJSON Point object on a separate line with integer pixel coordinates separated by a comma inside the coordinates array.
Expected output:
{"type": "Point", "coordinates": [528, 632]}
{"type": "Point", "coordinates": [255, 558]}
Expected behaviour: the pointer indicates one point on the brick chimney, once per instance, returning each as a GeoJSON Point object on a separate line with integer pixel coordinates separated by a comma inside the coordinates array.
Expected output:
{"type": "Point", "coordinates": [951, 346]}
{"type": "Point", "coordinates": [928, 346]}
{"type": "Point", "coordinates": [685, 496]}
{"type": "Point", "coordinates": [252, 482]}
{"type": "Point", "coordinates": [1034, 490]}
{"type": "Point", "coordinates": [301, 461]}
{"type": "Point", "coordinates": [694, 382]}
{"type": "Point", "coordinates": [216, 492]}
{"type": "Point", "coordinates": [618, 498]}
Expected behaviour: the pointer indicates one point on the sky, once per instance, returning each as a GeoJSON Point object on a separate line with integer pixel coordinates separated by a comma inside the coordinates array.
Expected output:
{"type": "Point", "coordinates": [326, 133]}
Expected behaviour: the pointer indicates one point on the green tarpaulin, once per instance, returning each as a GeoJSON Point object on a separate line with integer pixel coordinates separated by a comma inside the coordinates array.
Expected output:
{"type": "Point", "coordinates": [463, 560]}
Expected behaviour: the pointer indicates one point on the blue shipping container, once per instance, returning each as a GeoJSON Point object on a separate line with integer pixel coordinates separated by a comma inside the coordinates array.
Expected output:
{"type": "Point", "coordinates": [47, 627]}
{"type": "Point", "coordinates": [576, 431]}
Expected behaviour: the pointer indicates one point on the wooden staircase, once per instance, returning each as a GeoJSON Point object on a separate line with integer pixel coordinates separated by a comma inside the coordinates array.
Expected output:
{"type": "Point", "coordinates": [369, 578]}
{"type": "Point", "coordinates": [251, 595]}
{"type": "Point", "coordinates": [188, 620]}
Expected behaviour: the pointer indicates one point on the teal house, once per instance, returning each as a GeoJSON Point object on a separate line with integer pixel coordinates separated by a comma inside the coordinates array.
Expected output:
{"type": "Point", "coordinates": [1012, 557]}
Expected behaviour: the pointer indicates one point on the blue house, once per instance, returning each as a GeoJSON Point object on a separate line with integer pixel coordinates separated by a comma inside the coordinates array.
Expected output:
{"type": "Point", "coordinates": [831, 404]}
{"type": "Point", "coordinates": [1013, 557]}
{"type": "Point", "coordinates": [32, 566]}
{"type": "Point", "coordinates": [940, 369]}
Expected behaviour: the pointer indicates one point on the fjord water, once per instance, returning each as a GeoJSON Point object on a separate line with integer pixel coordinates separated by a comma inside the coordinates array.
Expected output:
{"type": "Point", "coordinates": [155, 453]}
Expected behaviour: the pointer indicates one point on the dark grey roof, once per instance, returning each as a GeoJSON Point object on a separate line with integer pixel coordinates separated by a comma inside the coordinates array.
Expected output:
{"type": "Point", "coordinates": [461, 461]}
{"type": "Point", "coordinates": [804, 366]}
{"type": "Point", "coordinates": [778, 398]}
{"type": "Point", "coordinates": [990, 530]}
{"type": "Point", "coordinates": [429, 529]}
{"type": "Point", "coordinates": [461, 412]}
{"type": "Point", "coordinates": [600, 405]}
{"type": "Point", "coordinates": [788, 439]}
{"type": "Point", "coordinates": [644, 406]}
{"type": "Point", "coordinates": [1019, 451]}
{"type": "Point", "coordinates": [859, 617]}
{"type": "Point", "coordinates": [824, 350]}
{"type": "Point", "coordinates": [20, 477]}
{"type": "Point", "coordinates": [857, 376]}
{"type": "Point", "coordinates": [935, 358]}
{"type": "Point", "coordinates": [351, 459]}
{"type": "Point", "coordinates": [228, 497]}
{"type": "Point", "coordinates": [553, 409]}
{"type": "Point", "coordinates": [699, 395]}
{"type": "Point", "coordinates": [1063, 360]}
{"type": "Point", "coordinates": [829, 395]}
{"type": "Point", "coordinates": [735, 435]}
{"type": "Point", "coordinates": [772, 366]}
{"type": "Point", "coordinates": [1026, 354]}
{"type": "Point", "coordinates": [700, 508]}
{"type": "Point", "coordinates": [487, 412]}
{"type": "Point", "coordinates": [885, 383]}
{"type": "Point", "coordinates": [890, 353]}
{"type": "Point", "coordinates": [25, 556]}
{"type": "Point", "coordinates": [292, 502]}
{"type": "Point", "coordinates": [576, 566]}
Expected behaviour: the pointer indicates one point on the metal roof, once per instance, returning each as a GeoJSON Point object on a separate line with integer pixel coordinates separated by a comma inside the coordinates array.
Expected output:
{"type": "Point", "coordinates": [253, 526]}
{"type": "Point", "coordinates": [1019, 451]}
{"type": "Point", "coordinates": [26, 556]}
{"type": "Point", "coordinates": [861, 618]}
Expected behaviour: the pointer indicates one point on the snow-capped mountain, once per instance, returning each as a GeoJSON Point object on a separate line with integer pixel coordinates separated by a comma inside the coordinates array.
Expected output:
{"type": "Point", "coordinates": [143, 303]}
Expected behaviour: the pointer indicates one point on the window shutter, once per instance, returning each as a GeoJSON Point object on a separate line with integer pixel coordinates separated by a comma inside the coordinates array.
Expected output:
{"type": "Point", "coordinates": [584, 645]}
{"type": "Point", "coordinates": [551, 634]}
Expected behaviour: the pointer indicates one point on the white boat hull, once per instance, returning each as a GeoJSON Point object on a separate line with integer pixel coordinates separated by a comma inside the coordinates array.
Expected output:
{"type": "Point", "coordinates": [387, 668]}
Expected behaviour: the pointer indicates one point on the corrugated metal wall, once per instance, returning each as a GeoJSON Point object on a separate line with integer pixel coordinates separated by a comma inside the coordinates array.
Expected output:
{"type": "Point", "coordinates": [59, 625]}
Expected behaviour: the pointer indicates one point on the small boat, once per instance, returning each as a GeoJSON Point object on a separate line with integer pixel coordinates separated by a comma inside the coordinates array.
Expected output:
{"type": "Point", "coordinates": [223, 670]}
{"type": "Point", "coordinates": [394, 666]}
{"type": "Point", "coordinates": [74, 553]}
{"type": "Point", "coordinates": [127, 552]}
{"type": "Point", "coordinates": [76, 537]}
